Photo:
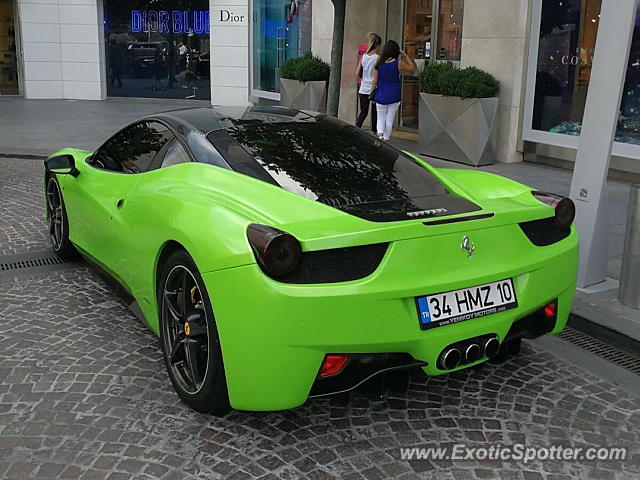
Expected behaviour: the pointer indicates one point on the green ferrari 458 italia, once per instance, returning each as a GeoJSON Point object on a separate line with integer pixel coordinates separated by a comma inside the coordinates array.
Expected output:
{"type": "Point", "coordinates": [282, 255]}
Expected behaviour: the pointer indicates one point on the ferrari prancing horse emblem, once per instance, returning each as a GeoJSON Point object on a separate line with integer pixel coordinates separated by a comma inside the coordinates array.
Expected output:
{"type": "Point", "coordinates": [468, 246]}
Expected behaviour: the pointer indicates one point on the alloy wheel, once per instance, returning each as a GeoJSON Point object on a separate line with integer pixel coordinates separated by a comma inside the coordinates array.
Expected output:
{"type": "Point", "coordinates": [186, 333]}
{"type": "Point", "coordinates": [56, 215]}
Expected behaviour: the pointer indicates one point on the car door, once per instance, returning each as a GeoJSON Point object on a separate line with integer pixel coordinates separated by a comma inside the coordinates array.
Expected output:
{"type": "Point", "coordinates": [147, 217]}
{"type": "Point", "coordinates": [103, 190]}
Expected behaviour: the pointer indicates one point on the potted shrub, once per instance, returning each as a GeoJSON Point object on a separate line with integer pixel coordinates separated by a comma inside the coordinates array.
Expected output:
{"type": "Point", "coordinates": [303, 83]}
{"type": "Point", "coordinates": [457, 113]}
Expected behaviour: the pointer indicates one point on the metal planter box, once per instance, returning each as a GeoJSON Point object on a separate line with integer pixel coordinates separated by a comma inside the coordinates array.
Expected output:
{"type": "Point", "coordinates": [457, 129]}
{"type": "Point", "coordinates": [304, 95]}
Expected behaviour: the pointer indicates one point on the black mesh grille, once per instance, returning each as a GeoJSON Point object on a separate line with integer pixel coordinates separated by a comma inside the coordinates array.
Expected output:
{"type": "Point", "coordinates": [31, 263]}
{"type": "Point", "coordinates": [543, 232]}
{"type": "Point", "coordinates": [603, 350]}
{"type": "Point", "coordinates": [337, 265]}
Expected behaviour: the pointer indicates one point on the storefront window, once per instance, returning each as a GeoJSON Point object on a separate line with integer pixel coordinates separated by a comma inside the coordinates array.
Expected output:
{"type": "Point", "coordinates": [568, 33]}
{"type": "Point", "coordinates": [8, 57]}
{"type": "Point", "coordinates": [450, 30]}
{"type": "Point", "coordinates": [157, 48]}
{"type": "Point", "coordinates": [629, 121]}
{"type": "Point", "coordinates": [281, 30]}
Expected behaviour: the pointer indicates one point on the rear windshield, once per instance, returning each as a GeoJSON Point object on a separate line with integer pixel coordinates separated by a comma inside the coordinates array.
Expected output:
{"type": "Point", "coordinates": [328, 161]}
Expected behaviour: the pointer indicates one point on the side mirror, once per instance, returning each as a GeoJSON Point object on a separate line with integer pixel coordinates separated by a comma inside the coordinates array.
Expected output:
{"type": "Point", "coordinates": [61, 164]}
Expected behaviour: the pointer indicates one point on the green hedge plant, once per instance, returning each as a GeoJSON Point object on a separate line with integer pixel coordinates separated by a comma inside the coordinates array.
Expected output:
{"type": "Point", "coordinates": [444, 78]}
{"type": "Point", "coordinates": [307, 68]}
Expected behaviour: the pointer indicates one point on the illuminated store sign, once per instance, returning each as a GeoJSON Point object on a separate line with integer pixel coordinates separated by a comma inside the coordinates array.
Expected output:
{"type": "Point", "coordinates": [174, 21]}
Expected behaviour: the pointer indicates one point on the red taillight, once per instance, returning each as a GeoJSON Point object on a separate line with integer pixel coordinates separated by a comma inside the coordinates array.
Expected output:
{"type": "Point", "coordinates": [564, 207]}
{"type": "Point", "coordinates": [277, 252]}
{"type": "Point", "coordinates": [551, 310]}
{"type": "Point", "coordinates": [333, 364]}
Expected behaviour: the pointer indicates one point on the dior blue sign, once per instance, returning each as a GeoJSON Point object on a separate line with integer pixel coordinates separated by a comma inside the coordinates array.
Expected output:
{"type": "Point", "coordinates": [174, 21]}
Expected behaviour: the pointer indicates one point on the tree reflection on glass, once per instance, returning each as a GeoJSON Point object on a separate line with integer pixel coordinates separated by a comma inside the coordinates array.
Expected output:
{"type": "Point", "coordinates": [131, 150]}
{"type": "Point", "coordinates": [336, 164]}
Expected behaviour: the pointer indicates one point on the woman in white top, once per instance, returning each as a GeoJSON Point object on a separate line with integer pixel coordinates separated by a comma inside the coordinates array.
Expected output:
{"type": "Point", "coordinates": [366, 68]}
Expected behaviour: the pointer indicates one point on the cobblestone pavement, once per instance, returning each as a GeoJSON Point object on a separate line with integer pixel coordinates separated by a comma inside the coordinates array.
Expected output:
{"type": "Point", "coordinates": [22, 225]}
{"type": "Point", "coordinates": [84, 394]}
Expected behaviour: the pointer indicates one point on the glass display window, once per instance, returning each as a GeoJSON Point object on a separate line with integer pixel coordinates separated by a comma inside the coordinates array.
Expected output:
{"type": "Point", "coordinates": [450, 30]}
{"type": "Point", "coordinates": [628, 130]}
{"type": "Point", "coordinates": [563, 41]}
{"type": "Point", "coordinates": [8, 50]}
{"type": "Point", "coordinates": [568, 31]}
{"type": "Point", "coordinates": [281, 30]}
{"type": "Point", "coordinates": [157, 49]}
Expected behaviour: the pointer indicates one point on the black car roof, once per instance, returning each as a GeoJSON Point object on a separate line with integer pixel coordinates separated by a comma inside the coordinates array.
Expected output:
{"type": "Point", "coordinates": [209, 119]}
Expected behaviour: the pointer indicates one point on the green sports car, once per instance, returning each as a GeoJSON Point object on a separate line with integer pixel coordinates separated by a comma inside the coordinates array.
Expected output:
{"type": "Point", "coordinates": [282, 255]}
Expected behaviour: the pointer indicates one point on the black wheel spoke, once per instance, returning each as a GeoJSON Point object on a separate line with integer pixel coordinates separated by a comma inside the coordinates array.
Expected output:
{"type": "Point", "coordinates": [169, 302]}
{"type": "Point", "coordinates": [58, 231]}
{"type": "Point", "coordinates": [186, 294]}
{"type": "Point", "coordinates": [188, 375]}
{"type": "Point", "coordinates": [192, 361]}
{"type": "Point", "coordinates": [50, 203]}
{"type": "Point", "coordinates": [177, 350]}
{"type": "Point", "coordinates": [55, 230]}
{"type": "Point", "coordinates": [53, 196]}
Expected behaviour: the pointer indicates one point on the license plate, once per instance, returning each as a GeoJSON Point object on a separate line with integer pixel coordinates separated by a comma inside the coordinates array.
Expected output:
{"type": "Point", "coordinates": [466, 304]}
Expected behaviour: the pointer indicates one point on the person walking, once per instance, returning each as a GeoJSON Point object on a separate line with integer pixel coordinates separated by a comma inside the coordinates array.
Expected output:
{"type": "Point", "coordinates": [387, 85]}
{"type": "Point", "coordinates": [366, 68]}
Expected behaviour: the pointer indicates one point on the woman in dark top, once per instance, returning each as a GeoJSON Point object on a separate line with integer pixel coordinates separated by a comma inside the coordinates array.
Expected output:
{"type": "Point", "coordinates": [387, 86]}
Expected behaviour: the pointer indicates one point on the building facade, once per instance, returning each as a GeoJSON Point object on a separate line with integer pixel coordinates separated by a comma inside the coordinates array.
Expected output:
{"type": "Point", "coordinates": [229, 52]}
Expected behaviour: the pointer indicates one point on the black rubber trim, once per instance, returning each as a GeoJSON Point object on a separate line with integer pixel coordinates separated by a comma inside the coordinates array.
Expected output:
{"type": "Point", "coordinates": [544, 232]}
{"type": "Point", "coordinates": [459, 219]}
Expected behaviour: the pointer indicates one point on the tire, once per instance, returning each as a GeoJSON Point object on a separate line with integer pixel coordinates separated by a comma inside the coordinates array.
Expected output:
{"type": "Point", "coordinates": [513, 346]}
{"type": "Point", "coordinates": [189, 337]}
{"type": "Point", "coordinates": [58, 220]}
{"type": "Point", "coordinates": [510, 347]}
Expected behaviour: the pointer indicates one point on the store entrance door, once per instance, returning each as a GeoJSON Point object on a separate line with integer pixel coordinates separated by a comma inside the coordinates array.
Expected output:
{"type": "Point", "coordinates": [8, 50]}
{"type": "Point", "coordinates": [418, 23]}
{"type": "Point", "coordinates": [426, 30]}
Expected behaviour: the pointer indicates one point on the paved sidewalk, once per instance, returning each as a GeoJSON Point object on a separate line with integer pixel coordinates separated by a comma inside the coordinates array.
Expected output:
{"type": "Point", "coordinates": [39, 127]}
{"type": "Point", "coordinates": [84, 395]}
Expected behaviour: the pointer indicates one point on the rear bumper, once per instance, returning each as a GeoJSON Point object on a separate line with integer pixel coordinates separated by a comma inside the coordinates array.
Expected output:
{"type": "Point", "coordinates": [360, 368]}
{"type": "Point", "coordinates": [275, 336]}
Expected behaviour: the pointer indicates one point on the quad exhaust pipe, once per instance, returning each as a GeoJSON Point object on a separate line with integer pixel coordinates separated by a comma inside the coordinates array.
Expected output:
{"type": "Point", "coordinates": [472, 353]}
{"type": "Point", "coordinates": [468, 351]}
{"type": "Point", "coordinates": [491, 347]}
{"type": "Point", "coordinates": [450, 359]}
